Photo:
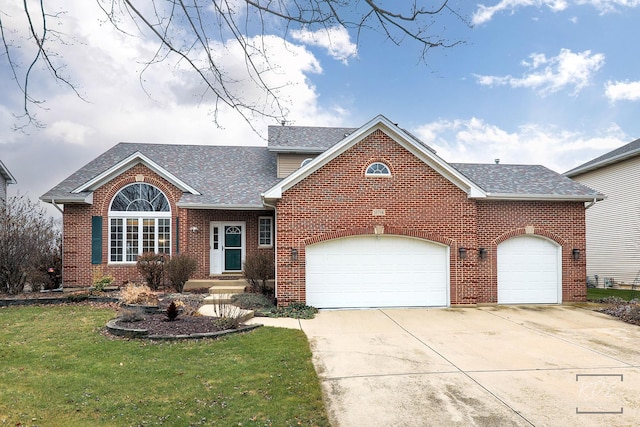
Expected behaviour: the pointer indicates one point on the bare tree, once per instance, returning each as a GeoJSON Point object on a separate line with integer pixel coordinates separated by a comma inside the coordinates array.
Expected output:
{"type": "Point", "coordinates": [192, 31]}
{"type": "Point", "coordinates": [29, 237]}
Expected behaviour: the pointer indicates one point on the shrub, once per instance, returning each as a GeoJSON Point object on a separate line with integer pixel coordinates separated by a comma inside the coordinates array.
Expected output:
{"type": "Point", "coordinates": [179, 269]}
{"type": "Point", "coordinates": [138, 294]}
{"type": "Point", "coordinates": [224, 323]}
{"type": "Point", "coordinates": [172, 312]}
{"type": "Point", "coordinates": [258, 270]}
{"type": "Point", "coordinates": [251, 301]}
{"type": "Point", "coordinates": [78, 297]}
{"type": "Point", "coordinates": [29, 245]}
{"type": "Point", "coordinates": [151, 267]}
{"type": "Point", "coordinates": [100, 281]}
{"type": "Point", "coordinates": [296, 310]}
{"type": "Point", "coordinates": [131, 315]}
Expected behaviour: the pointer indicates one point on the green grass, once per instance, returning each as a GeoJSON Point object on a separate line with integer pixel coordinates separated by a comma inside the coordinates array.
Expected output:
{"type": "Point", "coordinates": [598, 293]}
{"type": "Point", "coordinates": [58, 369]}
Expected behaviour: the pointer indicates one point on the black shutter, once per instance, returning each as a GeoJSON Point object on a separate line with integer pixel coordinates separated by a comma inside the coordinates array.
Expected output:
{"type": "Point", "coordinates": [96, 240]}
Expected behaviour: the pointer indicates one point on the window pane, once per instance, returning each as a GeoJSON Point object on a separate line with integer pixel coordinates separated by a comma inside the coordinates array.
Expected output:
{"type": "Point", "coordinates": [149, 235]}
{"type": "Point", "coordinates": [132, 239]}
{"type": "Point", "coordinates": [264, 232]}
{"type": "Point", "coordinates": [115, 232]}
{"type": "Point", "coordinates": [164, 236]}
{"type": "Point", "coordinates": [140, 198]}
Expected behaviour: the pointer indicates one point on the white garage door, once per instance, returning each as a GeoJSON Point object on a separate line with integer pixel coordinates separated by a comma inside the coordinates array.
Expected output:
{"type": "Point", "coordinates": [529, 271]}
{"type": "Point", "coordinates": [383, 271]}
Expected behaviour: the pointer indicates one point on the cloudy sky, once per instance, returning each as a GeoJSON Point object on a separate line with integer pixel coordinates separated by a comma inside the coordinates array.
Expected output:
{"type": "Point", "coordinates": [551, 82]}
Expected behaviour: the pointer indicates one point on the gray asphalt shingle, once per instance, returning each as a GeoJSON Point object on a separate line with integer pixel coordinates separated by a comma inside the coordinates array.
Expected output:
{"type": "Point", "coordinates": [237, 175]}
{"type": "Point", "coordinates": [224, 175]}
{"type": "Point", "coordinates": [522, 180]}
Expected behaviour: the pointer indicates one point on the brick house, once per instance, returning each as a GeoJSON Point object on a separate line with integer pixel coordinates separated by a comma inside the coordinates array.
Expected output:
{"type": "Point", "coordinates": [355, 217]}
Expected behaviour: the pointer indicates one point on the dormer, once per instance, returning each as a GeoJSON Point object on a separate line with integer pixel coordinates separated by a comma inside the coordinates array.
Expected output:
{"type": "Point", "coordinates": [296, 145]}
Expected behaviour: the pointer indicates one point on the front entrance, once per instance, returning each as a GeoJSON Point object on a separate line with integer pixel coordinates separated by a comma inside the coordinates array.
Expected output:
{"type": "Point", "coordinates": [227, 245]}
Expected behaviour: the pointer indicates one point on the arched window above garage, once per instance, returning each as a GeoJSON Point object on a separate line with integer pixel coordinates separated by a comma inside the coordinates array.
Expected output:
{"type": "Point", "coordinates": [378, 169]}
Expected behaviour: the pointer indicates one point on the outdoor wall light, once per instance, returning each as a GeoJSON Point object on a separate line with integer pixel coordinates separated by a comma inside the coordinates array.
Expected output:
{"type": "Point", "coordinates": [482, 253]}
{"type": "Point", "coordinates": [576, 254]}
{"type": "Point", "coordinates": [294, 254]}
{"type": "Point", "coordinates": [462, 253]}
{"type": "Point", "coordinates": [194, 229]}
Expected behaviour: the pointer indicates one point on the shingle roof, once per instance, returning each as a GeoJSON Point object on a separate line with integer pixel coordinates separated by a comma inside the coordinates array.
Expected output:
{"type": "Point", "coordinates": [224, 175]}
{"type": "Point", "coordinates": [524, 181]}
{"type": "Point", "coordinates": [305, 138]}
{"type": "Point", "coordinates": [9, 179]}
{"type": "Point", "coordinates": [632, 149]}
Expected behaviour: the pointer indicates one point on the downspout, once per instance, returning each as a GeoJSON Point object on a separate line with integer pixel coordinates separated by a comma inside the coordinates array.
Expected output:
{"type": "Point", "coordinates": [53, 202]}
{"type": "Point", "coordinates": [275, 245]}
{"type": "Point", "coordinates": [591, 204]}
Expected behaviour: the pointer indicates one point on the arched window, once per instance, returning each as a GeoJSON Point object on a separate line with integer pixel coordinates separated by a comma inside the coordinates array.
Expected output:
{"type": "Point", "coordinates": [378, 169]}
{"type": "Point", "coordinates": [139, 221]}
{"type": "Point", "coordinates": [306, 161]}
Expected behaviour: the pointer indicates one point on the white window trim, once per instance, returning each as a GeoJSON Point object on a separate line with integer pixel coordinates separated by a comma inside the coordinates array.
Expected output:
{"type": "Point", "coordinates": [270, 218]}
{"type": "Point", "coordinates": [379, 175]}
{"type": "Point", "coordinates": [140, 216]}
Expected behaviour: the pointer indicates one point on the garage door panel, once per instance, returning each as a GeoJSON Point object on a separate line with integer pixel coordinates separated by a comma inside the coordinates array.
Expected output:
{"type": "Point", "coordinates": [529, 271]}
{"type": "Point", "coordinates": [383, 271]}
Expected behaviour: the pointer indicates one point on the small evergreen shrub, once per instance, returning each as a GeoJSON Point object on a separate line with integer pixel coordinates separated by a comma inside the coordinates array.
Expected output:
{"type": "Point", "coordinates": [172, 312]}
{"type": "Point", "coordinates": [151, 267]}
{"type": "Point", "coordinates": [179, 269]}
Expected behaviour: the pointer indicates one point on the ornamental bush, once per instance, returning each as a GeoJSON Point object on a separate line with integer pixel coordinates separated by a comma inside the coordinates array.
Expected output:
{"type": "Point", "coordinates": [179, 269]}
{"type": "Point", "coordinates": [151, 267]}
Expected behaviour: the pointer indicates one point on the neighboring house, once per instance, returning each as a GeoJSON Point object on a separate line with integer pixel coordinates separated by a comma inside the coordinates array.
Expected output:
{"type": "Point", "coordinates": [613, 225]}
{"type": "Point", "coordinates": [355, 217]}
{"type": "Point", "coordinates": [5, 179]}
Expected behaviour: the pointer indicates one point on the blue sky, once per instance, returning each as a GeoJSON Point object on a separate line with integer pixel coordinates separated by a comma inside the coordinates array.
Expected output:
{"type": "Point", "coordinates": [552, 82]}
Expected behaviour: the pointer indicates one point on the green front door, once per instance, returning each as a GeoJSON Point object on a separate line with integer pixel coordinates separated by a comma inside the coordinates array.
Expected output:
{"type": "Point", "coordinates": [232, 248]}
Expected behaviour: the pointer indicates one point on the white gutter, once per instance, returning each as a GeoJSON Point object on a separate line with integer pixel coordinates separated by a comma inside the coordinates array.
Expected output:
{"type": "Point", "coordinates": [275, 246]}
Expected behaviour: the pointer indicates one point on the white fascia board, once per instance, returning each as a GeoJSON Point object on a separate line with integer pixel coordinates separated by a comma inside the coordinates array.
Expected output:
{"type": "Point", "coordinates": [544, 197]}
{"type": "Point", "coordinates": [86, 200]}
{"type": "Point", "coordinates": [398, 135]}
{"type": "Point", "coordinates": [4, 171]}
{"type": "Point", "coordinates": [218, 207]}
{"type": "Point", "coordinates": [301, 150]}
{"type": "Point", "coordinates": [601, 164]}
{"type": "Point", "coordinates": [128, 163]}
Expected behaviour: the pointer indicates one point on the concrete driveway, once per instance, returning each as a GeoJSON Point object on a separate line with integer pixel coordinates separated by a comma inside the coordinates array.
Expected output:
{"type": "Point", "coordinates": [490, 366]}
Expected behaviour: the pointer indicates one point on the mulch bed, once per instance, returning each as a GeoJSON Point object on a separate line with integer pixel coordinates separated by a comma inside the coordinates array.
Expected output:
{"type": "Point", "coordinates": [157, 324]}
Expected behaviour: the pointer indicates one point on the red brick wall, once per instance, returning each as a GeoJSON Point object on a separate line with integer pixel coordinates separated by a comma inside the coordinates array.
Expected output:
{"type": "Point", "coordinates": [78, 270]}
{"type": "Point", "coordinates": [338, 200]}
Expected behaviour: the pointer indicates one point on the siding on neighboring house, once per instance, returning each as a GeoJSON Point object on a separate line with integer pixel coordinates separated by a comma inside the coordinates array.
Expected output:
{"type": "Point", "coordinates": [289, 162]}
{"type": "Point", "coordinates": [3, 190]}
{"type": "Point", "coordinates": [613, 225]}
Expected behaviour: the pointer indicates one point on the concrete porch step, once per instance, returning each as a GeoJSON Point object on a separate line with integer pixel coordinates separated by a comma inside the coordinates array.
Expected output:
{"type": "Point", "coordinates": [218, 299]}
{"type": "Point", "coordinates": [218, 286]}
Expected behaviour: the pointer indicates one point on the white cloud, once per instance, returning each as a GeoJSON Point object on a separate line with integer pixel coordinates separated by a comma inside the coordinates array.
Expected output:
{"type": "Point", "coordinates": [548, 75]}
{"type": "Point", "coordinates": [476, 141]}
{"type": "Point", "coordinates": [486, 13]}
{"type": "Point", "coordinates": [176, 107]}
{"type": "Point", "coordinates": [622, 91]}
{"type": "Point", "coordinates": [335, 39]}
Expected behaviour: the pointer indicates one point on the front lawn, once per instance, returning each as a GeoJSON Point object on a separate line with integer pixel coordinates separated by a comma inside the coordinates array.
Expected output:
{"type": "Point", "coordinates": [58, 369]}
{"type": "Point", "coordinates": [600, 293]}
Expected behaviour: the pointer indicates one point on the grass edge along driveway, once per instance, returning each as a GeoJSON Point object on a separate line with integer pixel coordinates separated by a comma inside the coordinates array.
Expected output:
{"type": "Point", "coordinates": [58, 369]}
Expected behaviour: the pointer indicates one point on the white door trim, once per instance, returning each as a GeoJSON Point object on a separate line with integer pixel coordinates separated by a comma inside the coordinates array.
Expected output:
{"type": "Point", "coordinates": [217, 251]}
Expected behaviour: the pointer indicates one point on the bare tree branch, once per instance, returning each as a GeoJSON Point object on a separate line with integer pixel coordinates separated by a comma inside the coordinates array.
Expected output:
{"type": "Point", "coordinates": [190, 32]}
